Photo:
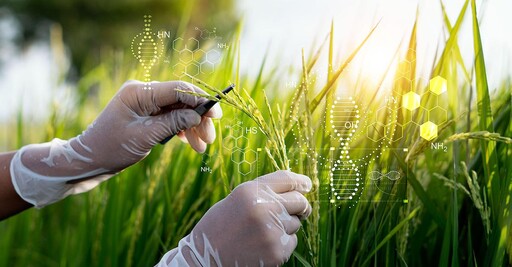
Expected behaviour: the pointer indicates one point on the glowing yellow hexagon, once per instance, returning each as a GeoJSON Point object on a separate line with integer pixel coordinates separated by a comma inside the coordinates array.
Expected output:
{"type": "Point", "coordinates": [428, 130]}
{"type": "Point", "coordinates": [411, 101]}
{"type": "Point", "coordinates": [438, 85]}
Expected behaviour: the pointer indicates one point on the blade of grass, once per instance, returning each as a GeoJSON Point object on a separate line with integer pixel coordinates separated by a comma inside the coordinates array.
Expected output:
{"type": "Point", "coordinates": [499, 234]}
{"type": "Point", "coordinates": [330, 95]}
{"type": "Point", "coordinates": [451, 42]}
{"type": "Point", "coordinates": [456, 49]}
{"type": "Point", "coordinates": [330, 84]}
{"type": "Point", "coordinates": [301, 259]}
{"type": "Point", "coordinates": [391, 234]}
{"type": "Point", "coordinates": [420, 192]}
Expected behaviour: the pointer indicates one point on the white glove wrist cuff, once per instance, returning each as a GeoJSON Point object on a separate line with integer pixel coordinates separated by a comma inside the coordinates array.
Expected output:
{"type": "Point", "coordinates": [186, 254]}
{"type": "Point", "coordinates": [38, 184]}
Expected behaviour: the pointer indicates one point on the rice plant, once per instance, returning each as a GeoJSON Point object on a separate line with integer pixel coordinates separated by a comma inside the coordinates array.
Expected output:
{"type": "Point", "coordinates": [454, 209]}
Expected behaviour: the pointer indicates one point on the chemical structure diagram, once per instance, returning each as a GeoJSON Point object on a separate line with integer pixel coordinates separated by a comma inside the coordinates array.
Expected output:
{"type": "Point", "coordinates": [236, 142]}
{"type": "Point", "coordinates": [408, 107]}
{"type": "Point", "coordinates": [207, 161]}
{"type": "Point", "coordinates": [193, 58]}
{"type": "Point", "coordinates": [415, 102]}
{"type": "Point", "coordinates": [194, 55]}
{"type": "Point", "coordinates": [206, 34]}
{"type": "Point", "coordinates": [350, 178]}
{"type": "Point", "coordinates": [412, 103]}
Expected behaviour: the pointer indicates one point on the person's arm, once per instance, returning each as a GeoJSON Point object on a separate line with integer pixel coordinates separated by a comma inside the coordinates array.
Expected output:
{"type": "Point", "coordinates": [135, 120]}
{"type": "Point", "coordinates": [10, 202]}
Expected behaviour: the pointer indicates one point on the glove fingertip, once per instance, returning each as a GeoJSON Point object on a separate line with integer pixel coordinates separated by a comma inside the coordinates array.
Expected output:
{"type": "Point", "coordinates": [190, 119]}
{"type": "Point", "coordinates": [215, 112]}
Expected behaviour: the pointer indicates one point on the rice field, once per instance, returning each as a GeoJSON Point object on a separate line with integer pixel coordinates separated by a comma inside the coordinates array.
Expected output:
{"type": "Point", "coordinates": [426, 194]}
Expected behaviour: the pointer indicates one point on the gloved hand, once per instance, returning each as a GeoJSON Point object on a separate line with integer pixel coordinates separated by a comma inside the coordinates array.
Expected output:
{"type": "Point", "coordinates": [124, 133]}
{"type": "Point", "coordinates": [255, 225]}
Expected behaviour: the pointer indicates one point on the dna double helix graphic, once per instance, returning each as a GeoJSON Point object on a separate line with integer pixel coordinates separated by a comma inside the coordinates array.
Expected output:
{"type": "Point", "coordinates": [376, 175]}
{"type": "Point", "coordinates": [147, 48]}
{"type": "Point", "coordinates": [345, 176]}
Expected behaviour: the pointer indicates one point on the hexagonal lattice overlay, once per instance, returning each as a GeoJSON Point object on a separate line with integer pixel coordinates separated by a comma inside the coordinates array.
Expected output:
{"type": "Point", "coordinates": [438, 115]}
{"type": "Point", "coordinates": [250, 156]}
{"type": "Point", "coordinates": [235, 141]}
{"type": "Point", "coordinates": [199, 55]}
{"type": "Point", "coordinates": [186, 56]}
{"type": "Point", "coordinates": [229, 142]}
{"type": "Point", "coordinates": [192, 69]}
{"type": "Point", "coordinates": [394, 131]}
{"type": "Point", "coordinates": [428, 130]}
{"type": "Point", "coordinates": [213, 56]}
{"type": "Point", "coordinates": [237, 156]}
{"type": "Point", "coordinates": [193, 59]}
{"type": "Point", "coordinates": [404, 68]}
{"type": "Point", "coordinates": [192, 44]}
{"type": "Point", "coordinates": [375, 131]}
{"type": "Point", "coordinates": [245, 168]}
{"type": "Point", "coordinates": [411, 101]}
{"type": "Point", "coordinates": [402, 84]}
{"type": "Point", "coordinates": [236, 130]}
{"type": "Point", "coordinates": [176, 43]}
{"type": "Point", "coordinates": [241, 141]}
{"type": "Point", "coordinates": [383, 112]}
{"type": "Point", "coordinates": [208, 158]}
{"type": "Point", "coordinates": [207, 67]}
{"type": "Point", "coordinates": [178, 69]}
{"type": "Point", "coordinates": [438, 85]}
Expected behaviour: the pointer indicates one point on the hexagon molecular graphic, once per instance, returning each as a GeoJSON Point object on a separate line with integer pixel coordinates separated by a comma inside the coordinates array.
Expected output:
{"type": "Point", "coordinates": [186, 56]}
{"type": "Point", "coordinates": [236, 143]}
{"type": "Point", "coordinates": [375, 131]}
{"type": "Point", "coordinates": [402, 84]}
{"type": "Point", "coordinates": [192, 44]}
{"type": "Point", "coordinates": [178, 69]}
{"type": "Point", "coordinates": [411, 101]}
{"type": "Point", "coordinates": [207, 67]}
{"type": "Point", "coordinates": [241, 141]}
{"type": "Point", "coordinates": [438, 115]}
{"type": "Point", "coordinates": [237, 156]}
{"type": "Point", "coordinates": [193, 58]}
{"type": "Point", "coordinates": [383, 112]}
{"type": "Point", "coordinates": [208, 158]}
{"type": "Point", "coordinates": [404, 68]}
{"type": "Point", "coordinates": [176, 43]}
{"type": "Point", "coordinates": [394, 131]}
{"type": "Point", "coordinates": [213, 56]}
{"type": "Point", "coordinates": [199, 55]}
{"type": "Point", "coordinates": [229, 142]}
{"type": "Point", "coordinates": [438, 85]}
{"type": "Point", "coordinates": [428, 131]}
{"type": "Point", "coordinates": [250, 156]}
{"type": "Point", "coordinates": [192, 69]}
{"type": "Point", "coordinates": [245, 168]}
{"type": "Point", "coordinates": [236, 129]}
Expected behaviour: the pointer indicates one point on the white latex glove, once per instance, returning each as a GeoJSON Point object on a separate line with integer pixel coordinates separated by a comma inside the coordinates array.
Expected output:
{"type": "Point", "coordinates": [255, 225]}
{"type": "Point", "coordinates": [132, 123]}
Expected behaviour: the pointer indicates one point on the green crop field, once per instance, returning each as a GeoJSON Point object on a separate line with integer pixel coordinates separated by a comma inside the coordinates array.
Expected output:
{"type": "Point", "coordinates": [449, 206]}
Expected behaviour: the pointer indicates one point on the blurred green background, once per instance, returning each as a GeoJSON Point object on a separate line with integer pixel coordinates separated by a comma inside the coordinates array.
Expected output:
{"type": "Point", "coordinates": [451, 218]}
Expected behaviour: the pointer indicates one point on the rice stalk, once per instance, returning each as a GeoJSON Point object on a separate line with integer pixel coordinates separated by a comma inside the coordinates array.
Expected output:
{"type": "Point", "coordinates": [477, 196]}
{"type": "Point", "coordinates": [480, 135]}
{"type": "Point", "coordinates": [311, 169]}
{"type": "Point", "coordinates": [247, 105]}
